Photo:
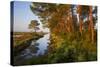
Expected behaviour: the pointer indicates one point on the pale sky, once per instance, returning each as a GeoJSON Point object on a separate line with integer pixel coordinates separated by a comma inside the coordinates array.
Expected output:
{"type": "Point", "coordinates": [23, 15]}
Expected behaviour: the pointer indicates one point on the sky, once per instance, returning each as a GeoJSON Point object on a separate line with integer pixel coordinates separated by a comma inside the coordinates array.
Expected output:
{"type": "Point", "coordinates": [23, 15]}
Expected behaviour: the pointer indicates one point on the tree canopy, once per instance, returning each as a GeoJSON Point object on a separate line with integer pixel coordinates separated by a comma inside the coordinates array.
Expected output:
{"type": "Point", "coordinates": [33, 25]}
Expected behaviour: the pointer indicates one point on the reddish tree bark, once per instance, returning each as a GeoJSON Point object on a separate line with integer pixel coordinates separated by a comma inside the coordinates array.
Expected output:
{"type": "Point", "coordinates": [91, 25]}
{"type": "Point", "coordinates": [80, 20]}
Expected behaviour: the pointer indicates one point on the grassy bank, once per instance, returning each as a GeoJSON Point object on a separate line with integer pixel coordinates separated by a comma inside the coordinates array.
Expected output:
{"type": "Point", "coordinates": [20, 37]}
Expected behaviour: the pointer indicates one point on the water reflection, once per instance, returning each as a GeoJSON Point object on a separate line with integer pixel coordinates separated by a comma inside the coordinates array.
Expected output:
{"type": "Point", "coordinates": [43, 44]}
{"type": "Point", "coordinates": [30, 51]}
{"type": "Point", "coordinates": [36, 48]}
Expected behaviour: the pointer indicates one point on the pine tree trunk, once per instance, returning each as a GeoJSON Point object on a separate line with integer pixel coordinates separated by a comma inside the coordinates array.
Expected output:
{"type": "Point", "coordinates": [80, 24]}
{"type": "Point", "coordinates": [91, 23]}
{"type": "Point", "coordinates": [80, 20]}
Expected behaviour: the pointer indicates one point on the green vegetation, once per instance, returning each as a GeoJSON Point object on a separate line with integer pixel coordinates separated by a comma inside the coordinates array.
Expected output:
{"type": "Point", "coordinates": [72, 48]}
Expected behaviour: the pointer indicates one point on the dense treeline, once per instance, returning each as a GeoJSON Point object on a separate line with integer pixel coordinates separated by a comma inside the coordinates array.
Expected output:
{"type": "Point", "coordinates": [73, 31]}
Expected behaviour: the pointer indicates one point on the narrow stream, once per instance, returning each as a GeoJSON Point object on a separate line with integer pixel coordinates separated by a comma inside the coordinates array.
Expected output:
{"type": "Point", "coordinates": [43, 44]}
{"type": "Point", "coordinates": [37, 47]}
